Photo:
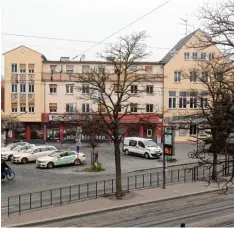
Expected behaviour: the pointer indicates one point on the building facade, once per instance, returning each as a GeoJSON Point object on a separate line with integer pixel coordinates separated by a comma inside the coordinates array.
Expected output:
{"type": "Point", "coordinates": [180, 82]}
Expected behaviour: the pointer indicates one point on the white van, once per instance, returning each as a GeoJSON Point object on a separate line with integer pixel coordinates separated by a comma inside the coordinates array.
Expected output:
{"type": "Point", "coordinates": [141, 146]}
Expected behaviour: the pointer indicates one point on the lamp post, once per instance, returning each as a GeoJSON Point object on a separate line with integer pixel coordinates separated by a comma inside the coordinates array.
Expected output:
{"type": "Point", "coordinates": [78, 139]}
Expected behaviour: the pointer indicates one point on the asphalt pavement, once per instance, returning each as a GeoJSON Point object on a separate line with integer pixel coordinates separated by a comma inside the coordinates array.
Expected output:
{"type": "Point", "coordinates": [94, 189]}
{"type": "Point", "coordinates": [30, 179]}
{"type": "Point", "coordinates": [204, 210]}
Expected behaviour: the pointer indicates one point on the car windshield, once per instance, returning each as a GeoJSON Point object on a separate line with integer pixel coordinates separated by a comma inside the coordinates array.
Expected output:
{"type": "Point", "coordinates": [150, 143]}
{"type": "Point", "coordinates": [55, 154]}
{"type": "Point", "coordinates": [28, 151]}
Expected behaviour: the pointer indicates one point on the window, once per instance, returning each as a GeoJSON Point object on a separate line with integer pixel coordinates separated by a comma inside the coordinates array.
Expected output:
{"type": "Point", "coordinates": [192, 130]}
{"type": "Point", "coordinates": [30, 109]}
{"type": "Point", "coordinates": [193, 100]}
{"type": "Point", "coordinates": [194, 55]}
{"type": "Point", "coordinates": [101, 108]}
{"type": "Point", "coordinates": [69, 89]}
{"type": "Point", "coordinates": [132, 143]}
{"type": "Point", "coordinates": [211, 56]}
{"type": "Point", "coordinates": [182, 132]}
{"type": "Point", "coordinates": [31, 88]}
{"type": "Point", "coordinates": [117, 88]}
{"type": "Point", "coordinates": [149, 89]}
{"type": "Point", "coordinates": [149, 133]}
{"type": "Point", "coordinates": [204, 100]}
{"type": "Point", "coordinates": [118, 108]}
{"type": "Point", "coordinates": [133, 107]}
{"type": "Point", "coordinates": [149, 108]}
{"type": "Point", "coordinates": [85, 68]}
{"type": "Point", "coordinates": [193, 76]}
{"type": "Point", "coordinates": [219, 76]}
{"type": "Point", "coordinates": [101, 69]}
{"type": "Point", "coordinates": [172, 99]}
{"type": "Point", "coordinates": [22, 88]}
{"type": "Point", "coordinates": [85, 107]}
{"type": "Point", "coordinates": [177, 76]}
{"type": "Point", "coordinates": [85, 88]}
{"type": "Point", "coordinates": [186, 55]}
{"type": "Point", "coordinates": [149, 69]}
{"type": "Point", "coordinates": [203, 56]}
{"type": "Point", "coordinates": [52, 68]}
{"type": "Point", "coordinates": [53, 88]}
{"type": "Point", "coordinates": [204, 77]}
{"type": "Point", "coordinates": [141, 144]}
{"type": "Point", "coordinates": [23, 68]}
{"type": "Point", "coordinates": [31, 68]}
{"type": "Point", "coordinates": [133, 88]}
{"type": "Point", "coordinates": [182, 100]}
{"type": "Point", "coordinates": [69, 108]}
{"type": "Point", "coordinates": [14, 88]}
{"type": "Point", "coordinates": [14, 68]}
{"type": "Point", "coordinates": [53, 107]}
{"type": "Point", "coordinates": [14, 107]}
{"type": "Point", "coordinates": [22, 108]}
{"type": "Point", "coordinates": [69, 69]}
{"type": "Point", "coordinates": [132, 68]}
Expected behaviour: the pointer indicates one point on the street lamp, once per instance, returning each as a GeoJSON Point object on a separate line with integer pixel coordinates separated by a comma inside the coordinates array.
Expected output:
{"type": "Point", "coordinates": [78, 139]}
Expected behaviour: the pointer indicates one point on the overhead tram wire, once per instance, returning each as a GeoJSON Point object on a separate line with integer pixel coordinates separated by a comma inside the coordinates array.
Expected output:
{"type": "Point", "coordinates": [133, 22]}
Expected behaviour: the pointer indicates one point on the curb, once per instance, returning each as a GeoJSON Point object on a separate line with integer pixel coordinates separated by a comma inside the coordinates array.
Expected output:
{"type": "Point", "coordinates": [72, 216]}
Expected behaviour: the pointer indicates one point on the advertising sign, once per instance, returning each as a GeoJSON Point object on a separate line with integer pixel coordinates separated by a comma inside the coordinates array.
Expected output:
{"type": "Point", "coordinates": [169, 141]}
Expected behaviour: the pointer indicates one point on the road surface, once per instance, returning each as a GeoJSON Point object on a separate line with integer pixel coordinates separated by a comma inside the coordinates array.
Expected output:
{"type": "Point", "coordinates": [205, 210]}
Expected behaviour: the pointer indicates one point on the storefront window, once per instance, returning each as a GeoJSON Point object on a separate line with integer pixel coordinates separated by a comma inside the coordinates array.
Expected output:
{"type": "Point", "coordinates": [70, 132]}
{"type": "Point", "coordinates": [20, 132]}
{"type": "Point", "coordinates": [36, 131]}
{"type": "Point", "coordinates": [53, 132]}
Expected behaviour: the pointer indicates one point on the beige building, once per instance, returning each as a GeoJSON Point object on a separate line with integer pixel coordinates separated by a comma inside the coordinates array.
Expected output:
{"type": "Point", "coordinates": [180, 82]}
{"type": "Point", "coordinates": [24, 91]}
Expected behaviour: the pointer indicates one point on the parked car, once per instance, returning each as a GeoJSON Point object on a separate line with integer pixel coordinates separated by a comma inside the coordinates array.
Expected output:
{"type": "Point", "coordinates": [8, 154]}
{"type": "Point", "coordinates": [60, 158]}
{"type": "Point", "coordinates": [141, 146]}
{"type": "Point", "coordinates": [11, 146]}
{"type": "Point", "coordinates": [33, 154]}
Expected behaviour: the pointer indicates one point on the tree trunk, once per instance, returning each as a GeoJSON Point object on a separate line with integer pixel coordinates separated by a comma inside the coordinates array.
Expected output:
{"type": "Point", "coordinates": [92, 157]}
{"type": "Point", "coordinates": [119, 191]}
{"type": "Point", "coordinates": [6, 136]}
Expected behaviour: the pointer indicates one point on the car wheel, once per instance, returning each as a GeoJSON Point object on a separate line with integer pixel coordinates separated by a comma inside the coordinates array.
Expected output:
{"type": "Point", "coordinates": [146, 155]}
{"type": "Point", "coordinates": [10, 157]}
{"type": "Point", "coordinates": [50, 165]}
{"type": "Point", "coordinates": [77, 162]}
{"type": "Point", "coordinates": [126, 152]}
{"type": "Point", "coordinates": [24, 160]}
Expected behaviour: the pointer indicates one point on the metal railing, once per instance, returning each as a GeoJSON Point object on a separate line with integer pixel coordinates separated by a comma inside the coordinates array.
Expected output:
{"type": "Point", "coordinates": [59, 196]}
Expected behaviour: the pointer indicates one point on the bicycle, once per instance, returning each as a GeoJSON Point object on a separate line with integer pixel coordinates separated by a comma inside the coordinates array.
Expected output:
{"type": "Point", "coordinates": [9, 174]}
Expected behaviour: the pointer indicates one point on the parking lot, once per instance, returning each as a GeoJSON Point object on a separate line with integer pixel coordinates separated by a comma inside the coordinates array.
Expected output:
{"type": "Point", "coordinates": [29, 178]}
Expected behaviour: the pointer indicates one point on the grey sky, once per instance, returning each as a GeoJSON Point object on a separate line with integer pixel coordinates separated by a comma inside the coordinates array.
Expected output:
{"type": "Point", "coordinates": [93, 20]}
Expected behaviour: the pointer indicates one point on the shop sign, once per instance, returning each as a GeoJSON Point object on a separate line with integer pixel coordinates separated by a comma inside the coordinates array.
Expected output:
{"type": "Point", "coordinates": [69, 118]}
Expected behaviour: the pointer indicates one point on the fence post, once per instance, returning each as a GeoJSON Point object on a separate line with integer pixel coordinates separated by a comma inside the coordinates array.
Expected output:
{"type": "Point", "coordinates": [171, 176]}
{"type": "Point", "coordinates": [30, 199]}
{"type": "Point", "coordinates": [51, 199]}
{"type": "Point", "coordinates": [203, 171]}
{"type": "Point", "coordinates": [104, 187]}
{"type": "Point", "coordinates": [112, 185]}
{"type": "Point", "coordinates": [19, 204]}
{"type": "Point", "coordinates": [192, 174]}
{"type": "Point", "coordinates": [135, 181]}
{"type": "Point", "coordinates": [79, 191]}
{"type": "Point", "coordinates": [70, 193]}
{"type": "Point", "coordinates": [8, 206]}
{"type": "Point", "coordinates": [150, 179]}
{"type": "Point", "coordinates": [128, 183]}
{"type": "Point", "coordinates": [184, 175]}
{"type": "Point", "coordinates": [143, 180]}
{"type": "Point", "coordinates": [96, 189]}
{"type": "Point", "coordinates": [178, 175]}
{"type": "Point", "coordinates": [41, 197]}
{"type": "Point", "coordinates": [87, 190]}
{"type": "Point", "coordinates": [60, 196]}
{"type": "Point", "coordinates": [157, 179]}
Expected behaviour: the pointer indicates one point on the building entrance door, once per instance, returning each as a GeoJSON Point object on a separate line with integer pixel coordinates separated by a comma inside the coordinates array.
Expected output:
{"type": "Point", "coordinates": [53, 134]}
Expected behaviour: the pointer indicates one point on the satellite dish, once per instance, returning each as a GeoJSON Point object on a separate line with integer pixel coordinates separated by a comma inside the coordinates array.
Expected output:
{"type": "Point", "coordinates": [82, 58]}
{"type": "Point", "coordinates": [58, 69]}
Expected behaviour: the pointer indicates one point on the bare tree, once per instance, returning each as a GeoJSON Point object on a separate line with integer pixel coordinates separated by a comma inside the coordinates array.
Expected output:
{"type": "Point", "coordinates": [114, 90]}
{"type": "Point", "coordinates": [8, 123]}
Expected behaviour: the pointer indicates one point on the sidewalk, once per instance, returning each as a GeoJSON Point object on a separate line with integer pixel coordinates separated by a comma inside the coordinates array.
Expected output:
{"type": "Point", "coordinates": [87, 207]}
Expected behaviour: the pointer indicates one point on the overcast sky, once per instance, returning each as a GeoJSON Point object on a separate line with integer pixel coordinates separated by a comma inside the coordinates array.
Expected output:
{"type": "Point", "coordinates": [93, 20]}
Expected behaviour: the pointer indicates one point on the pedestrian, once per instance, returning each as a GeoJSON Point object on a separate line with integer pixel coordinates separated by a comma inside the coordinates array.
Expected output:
{"type": "Point", "coordinates": [78, 144]}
